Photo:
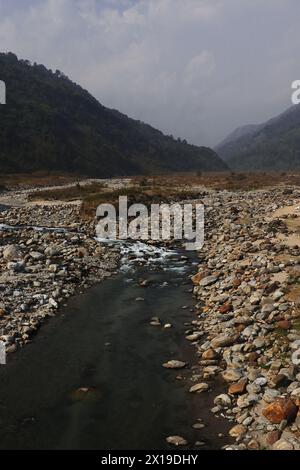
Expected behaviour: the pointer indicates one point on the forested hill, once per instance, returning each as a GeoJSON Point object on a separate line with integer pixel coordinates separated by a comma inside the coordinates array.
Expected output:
{"type": "Point", "coordinates": [273, 145]}
{"type": "Point", "coordinates": [51, 124]}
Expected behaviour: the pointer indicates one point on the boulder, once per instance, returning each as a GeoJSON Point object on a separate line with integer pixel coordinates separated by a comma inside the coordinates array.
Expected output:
{"type": "Point", "coordinates": [12, 252]}
{"type": "Point", "coordinates": [280, 410]}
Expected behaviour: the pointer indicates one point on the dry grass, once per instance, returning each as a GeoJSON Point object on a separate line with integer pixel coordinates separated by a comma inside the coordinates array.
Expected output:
{"type": "Point", "coordinates": [233, 181]}
{"type": "Point", "coordinates": [38, 179]}
{"type": "Point", "coordinates": [168, 188]}
{"type": "Point", "coordinates": [223, 180]}
{"type": "Point", "coordinates": [78, 191]}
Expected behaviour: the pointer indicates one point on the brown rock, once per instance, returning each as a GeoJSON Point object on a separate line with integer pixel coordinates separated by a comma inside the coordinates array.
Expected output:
{"type": "Point", "coordinates": [252, 357]}
{"type": "Point", "coordinates": [279, 410]}
{"type": "Point", "coordinates": [198, 277]}
{"type": "Point", "coordinates": [236, 282]}
{"type": "Point", "coordinates": [240, 327]}
{"type": "Point", "coordinates": [209, 355]}
{"type": "Point", "coordinates": [273, 437]}
{"type": "Point", "coordinates": [283, 324]}
{"type": "Point", "coordinates": [2, 312]}
{"type": "Point", "coordinates": [238, 388]}
{"type": "Point", "coordinates": [238, 431]}
{"type": "Point", "coordinates": [227, 307]}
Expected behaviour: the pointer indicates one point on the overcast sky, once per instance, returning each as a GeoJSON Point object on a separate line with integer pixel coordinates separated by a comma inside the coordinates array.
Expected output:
{"type": "Point", "coordinates": [196, 69]}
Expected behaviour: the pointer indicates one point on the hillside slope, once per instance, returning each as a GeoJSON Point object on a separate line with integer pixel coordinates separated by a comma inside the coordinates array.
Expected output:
{"type": "Point", "coordinates": [274, 145]}
{"type": "Point", "coordinates": [49, 123]}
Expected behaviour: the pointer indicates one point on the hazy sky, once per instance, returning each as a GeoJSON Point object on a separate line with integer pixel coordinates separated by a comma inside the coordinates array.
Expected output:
{"type": "Point", "coordinates": [192, 68]}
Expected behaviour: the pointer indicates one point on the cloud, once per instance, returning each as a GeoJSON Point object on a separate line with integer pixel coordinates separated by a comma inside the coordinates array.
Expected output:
{"type": "Point", "coordinates": [193, 68]}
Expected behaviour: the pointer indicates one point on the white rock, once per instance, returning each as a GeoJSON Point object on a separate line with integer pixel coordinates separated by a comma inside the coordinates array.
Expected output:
{"type": "Point", "coordinates": [223, 400]}
{"type": "Point", "coordinates": [296, 358]}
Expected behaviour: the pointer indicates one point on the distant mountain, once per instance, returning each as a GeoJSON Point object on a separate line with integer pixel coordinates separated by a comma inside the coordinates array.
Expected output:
{"type": "Point", "coordinates": [51, 124]}
{"type": "Point", "coordinates": [274, 145]}
{"type": "Point", "coordinates": [238, 133]}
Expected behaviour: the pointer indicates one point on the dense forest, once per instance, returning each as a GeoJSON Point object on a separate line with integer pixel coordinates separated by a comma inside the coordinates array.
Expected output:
{"type": "Point", "coordinates": [274, 145]}
{"type": "Point", "coordinates": [52, 124]}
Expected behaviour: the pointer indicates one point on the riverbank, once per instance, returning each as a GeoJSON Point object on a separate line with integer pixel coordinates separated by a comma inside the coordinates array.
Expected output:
{"type": "Point", "coordinates": [248, 316]}
{"type": "Point", "coordinates": [47, 254]}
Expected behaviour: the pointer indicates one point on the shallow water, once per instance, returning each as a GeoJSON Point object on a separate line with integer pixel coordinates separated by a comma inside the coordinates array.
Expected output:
{"type": "Point", "coordinates": [102, 340]}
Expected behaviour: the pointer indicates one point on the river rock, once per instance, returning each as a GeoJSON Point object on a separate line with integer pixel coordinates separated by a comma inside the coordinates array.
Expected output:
{"type": "Point", "coordinates": [238, 431]}
{"type": "Point", "coordinates": [224, 340]}
{"type": "Point", "coordinates": [208, 281]}
{"type": "Point", "coordinates": [282, 445]}
{"type": "Point", "coordinates": [174, 364]}
{"type": "Point", "coordinates": [223, 400]}
{"type": "Point", "coordinates": [12, 252]}
{"type": "Point", "coordinates": [238, 388]}
{"type": "Point", "coordinates": [210, 354]}
{"type": "Point", "coordinates": [232, 375]}
{"type": "Point", "coordinates": [280, 410]}
{"type": "Point", "coordinates": [296, 357]}
{"type": "Point", "coordinates": [199, 388]}
{"type": "Point", "coordinates": [177, 441]}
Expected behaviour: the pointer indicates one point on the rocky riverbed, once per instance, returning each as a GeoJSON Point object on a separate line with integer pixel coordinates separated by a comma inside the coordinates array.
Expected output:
{"type": "Point", "coordinates": [46, 255]}
{"type": "Point", "coordinates": [247, 326]}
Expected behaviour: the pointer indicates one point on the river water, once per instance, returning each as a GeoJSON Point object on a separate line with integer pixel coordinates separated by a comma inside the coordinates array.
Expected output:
{"type": "Point", "coordinates": [102, 343]}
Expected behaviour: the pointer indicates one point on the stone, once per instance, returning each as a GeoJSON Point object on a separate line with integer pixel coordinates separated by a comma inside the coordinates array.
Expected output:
{"type": "Point", "coordinates": [238, 431]}
{"type": "Point", "coordinates": [197, 278]}
{"type": "Point", "coordinates": [277, 295]}
{"type": "Point", "coordinates": [238, 388]}
{"type": "Point", "coordinates": [224, 340]}
{"type": "Point", "coordinates": [244, 401]}
{"type": "Point", "coordinates": [198, 426]}
{"type": "Point", "coordinates": [227, 307]}
{"type": "Point", "coordinates": [280, 380]}
{"type": "Point", "coordinates": [194, 336]}
{"type": "Point", "coordinates": [208, 281]}
{"type": "Point", "coordinates": [210, 354]}
{"type": "Point", "coordinates": [255, 299]}
{"type": "Point", "coordinates": [296, 393]}
{"type": "Point", "coordinates": [270, 395]}
{"type": "Point", "coordinates": [177, 441]}
{"type": "Point", "coordinates": [296, 357]}
{"type": "Point", "coordinates": [12, 252]}
{"type": "Point", "coordinates": [295, 344]}
{"type": "Point", "coordinates": [282, 445]}
{"type": "Point", "coordinates": [232, 375]}
{"type": "Point", "coordinates": [36, 255]}
{"type": "Point", "coordinates": [199, 388]}
{"type": "Point", "coordinates": [252, 357]}
{"type": "Point", "coordinates": [223, 400]}
{"type": "Point", "coordinates": [283, 324]}
{"type": "Point", "coordinates": [273, 437]}
{"type": "Point", "coordinates": [281, 409]}
{"type": "Point", "coordinates": [173, 364]}
{"type": "Point", "coordinates": [253, 445]}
